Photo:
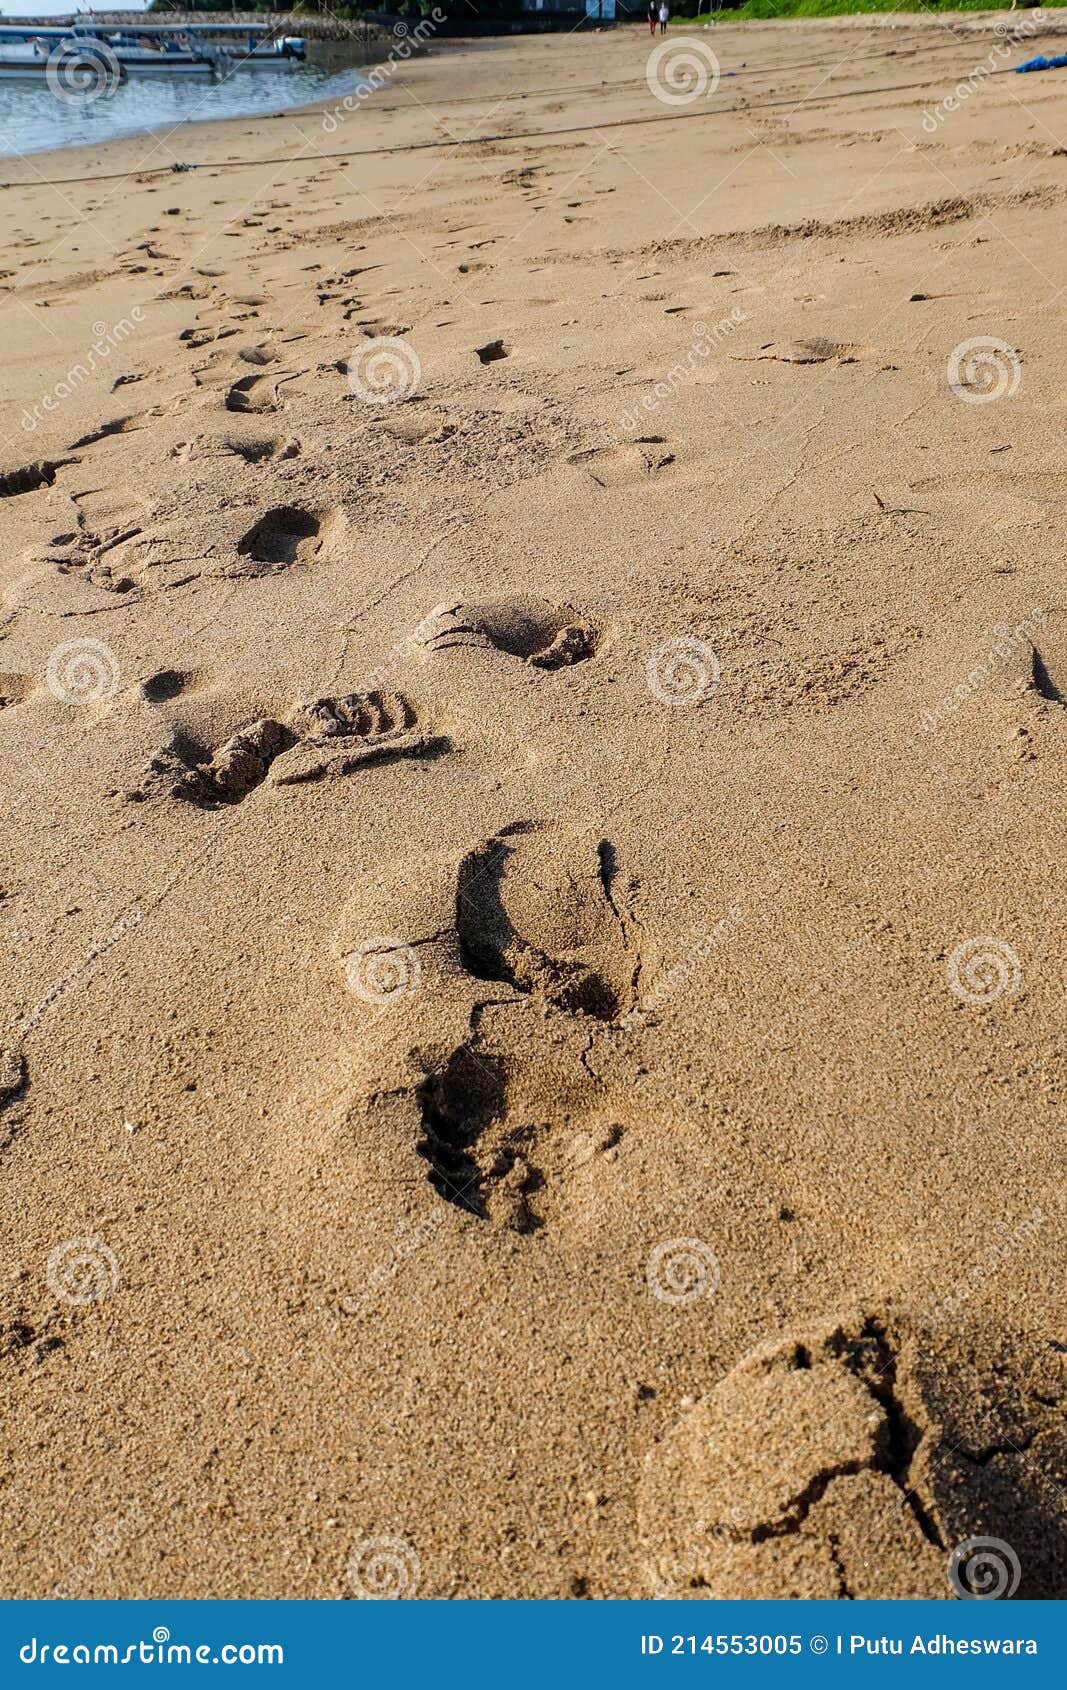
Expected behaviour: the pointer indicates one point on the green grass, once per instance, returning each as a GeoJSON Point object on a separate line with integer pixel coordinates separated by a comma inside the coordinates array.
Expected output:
{"type": "Point", "coordinates": [842, 8]}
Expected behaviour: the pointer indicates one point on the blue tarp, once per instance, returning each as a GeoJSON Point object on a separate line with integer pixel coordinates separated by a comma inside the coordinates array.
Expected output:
{"type": "Point", "coordinates": [1041, 63]}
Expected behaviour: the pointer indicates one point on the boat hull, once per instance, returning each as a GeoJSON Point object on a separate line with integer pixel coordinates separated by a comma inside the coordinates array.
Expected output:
{"type": "Point", "coordinates": [33, 72]}
{"type": "Point", "coordinates": [36, 75]}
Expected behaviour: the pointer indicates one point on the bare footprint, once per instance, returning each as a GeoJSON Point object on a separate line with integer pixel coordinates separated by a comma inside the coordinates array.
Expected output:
{"type": "Point", "coordinates": [288, 534]}
{"type": "Point", "coordinates": [480, 988]}
{"type": "Point", "coordinates": [545, 635]}
{"type": "Point", "coordinates": [816, 351]}
{"type": "Point", "coordinates": [253, 450]}
{"type": "Point", "coordinates": [168, 684]}
{"type": "Point", "coordinates": [619, 466]}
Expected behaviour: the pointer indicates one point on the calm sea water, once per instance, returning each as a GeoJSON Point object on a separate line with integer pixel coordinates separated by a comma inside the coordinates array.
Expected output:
{"type": "Point", "coordinates": [32, 120]}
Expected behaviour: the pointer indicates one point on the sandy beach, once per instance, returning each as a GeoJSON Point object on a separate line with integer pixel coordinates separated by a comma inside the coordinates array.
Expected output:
{"type": "Point", "coordinates": [532, 746]}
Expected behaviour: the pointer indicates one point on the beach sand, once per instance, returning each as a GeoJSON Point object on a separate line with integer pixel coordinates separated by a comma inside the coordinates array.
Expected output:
{"type": "Point", "coordinates": [531, 888]}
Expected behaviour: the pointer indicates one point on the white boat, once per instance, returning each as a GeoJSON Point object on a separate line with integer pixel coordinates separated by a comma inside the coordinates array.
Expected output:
{"type": "Point", "coordinates": [77, 53]}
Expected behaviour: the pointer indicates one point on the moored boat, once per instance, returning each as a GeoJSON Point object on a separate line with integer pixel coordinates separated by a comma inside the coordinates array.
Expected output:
{"type": "Point", "coordinates": [78, 54]}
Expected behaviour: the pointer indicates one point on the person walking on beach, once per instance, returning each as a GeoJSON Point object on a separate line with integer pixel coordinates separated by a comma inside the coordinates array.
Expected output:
{"type": "Point", "coordinates": [653, 14]}
{"type": "Point", "coordinates": [664, 17]}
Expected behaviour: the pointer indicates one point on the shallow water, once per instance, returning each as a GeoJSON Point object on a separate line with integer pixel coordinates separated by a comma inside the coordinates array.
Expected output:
{"type": "Point", "coordinates": [34, 120]}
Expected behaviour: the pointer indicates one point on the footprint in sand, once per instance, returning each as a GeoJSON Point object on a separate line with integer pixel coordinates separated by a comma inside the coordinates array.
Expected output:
{"type": "Point", "coordinates": [287, 535]}
{"type": "Point", "coordinates": [260, 395]}
{"type": "Point", "coordinates": [14, 1079]}
{"type": "Point", "coordinates": [545, 635]}
{"type": "Point", "coordinates": [12, 1075]}
{"type": "Point", "coordinates": [1028, 691]}
{"type": "Point", "coordinates": [476, 1027]}
{"type": "Point", "coordinates": [194, 339]}
{"type": "Point", "coordinates": [621, 466]}
{"type": "Point", "coordinates": [116, 425]}
{"type": "Point", "coordinates": [1043, 681]}
{"type": "Point", "coordinates": [29, 477]}
{"type": "Point", "coordinates": [220, 367]}
{"type": "Point", "coordinates": [167, 684]}
{"type": "Point", "coordinates": [94, 554]}
{"type": "Point", "coordinates": [816, 351]}
{"type": "Point", "coordinates": [262, 449]}
{"type": "Point", "coordinates": [123, 563]}
{"type": "Point", "coordinates": [320, 739]}
{"type": "Point", "coordinates": [853, 1458]}
{"type": "Point", "coordinates": [15, 689]}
